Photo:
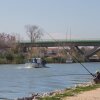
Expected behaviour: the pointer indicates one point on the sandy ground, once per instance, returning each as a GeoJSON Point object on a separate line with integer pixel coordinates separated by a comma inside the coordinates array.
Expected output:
{"type": "Point", "coordinates": [88, 95]}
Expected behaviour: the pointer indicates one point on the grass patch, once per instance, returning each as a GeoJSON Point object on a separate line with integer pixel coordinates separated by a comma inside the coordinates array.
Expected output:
{"type": "Point", "coordinates": [71, 92]}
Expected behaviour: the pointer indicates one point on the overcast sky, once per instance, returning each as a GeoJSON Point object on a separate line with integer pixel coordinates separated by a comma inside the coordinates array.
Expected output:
{"type": "Point", "coordinates": [57, 17]}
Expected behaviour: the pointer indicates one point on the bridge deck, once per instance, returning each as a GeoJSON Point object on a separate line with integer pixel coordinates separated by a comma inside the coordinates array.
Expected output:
{"type": "Point", "coordinates": [52, 43]}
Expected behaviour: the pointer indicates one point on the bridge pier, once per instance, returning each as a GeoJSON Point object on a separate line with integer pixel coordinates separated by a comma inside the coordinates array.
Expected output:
{"type": "Point", "coordinates": [89, 53]}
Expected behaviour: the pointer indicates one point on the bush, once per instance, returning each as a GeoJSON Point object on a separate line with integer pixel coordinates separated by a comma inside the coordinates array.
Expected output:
{"type": "Point", "coordinates": [55, 60]}
{"type": "Point", "coordinates": [49, 60]}
{"type": "Point", "coordinates": [9, 57]}
{"type": "Point", "coordinates": [19, 59]}
{"type": "Point", "coordinates": [3, 61]}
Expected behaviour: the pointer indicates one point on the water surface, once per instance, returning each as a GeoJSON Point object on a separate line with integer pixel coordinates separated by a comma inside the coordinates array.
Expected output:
{"type": "Point", "coordinates": [20, 80]}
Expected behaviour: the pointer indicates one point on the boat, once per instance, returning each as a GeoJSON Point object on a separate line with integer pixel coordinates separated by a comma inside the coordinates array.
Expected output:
{"type": "Point", "coordinates": [69, 61]}
{"type": "Point", "coordinates": [36, 63]}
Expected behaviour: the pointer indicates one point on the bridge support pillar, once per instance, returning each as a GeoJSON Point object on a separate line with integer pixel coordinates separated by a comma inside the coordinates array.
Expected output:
{"type": "Point", "coordinates": [88, 53]}
{"type": "Point", "coordinates": [80, 51]}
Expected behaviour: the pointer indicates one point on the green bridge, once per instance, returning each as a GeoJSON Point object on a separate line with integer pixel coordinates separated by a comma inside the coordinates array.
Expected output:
{"type": "Point", "coordinates": [95, 44]}
{"type": "Point", "coordinates": [55, 43]}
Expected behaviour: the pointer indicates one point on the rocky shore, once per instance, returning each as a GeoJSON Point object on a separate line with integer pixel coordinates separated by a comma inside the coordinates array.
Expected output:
{"type": "Point", "coordinates": [50, 94]}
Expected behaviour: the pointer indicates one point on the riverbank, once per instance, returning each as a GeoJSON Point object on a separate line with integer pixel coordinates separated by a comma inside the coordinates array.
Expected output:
{"type": "Point", "coordinates": [88, 95]}
{"type": "Point", "coordinates": [69, 93]}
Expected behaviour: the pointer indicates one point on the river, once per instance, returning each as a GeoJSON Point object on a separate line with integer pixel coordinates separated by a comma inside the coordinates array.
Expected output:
{"type": "Point", "coordinates": [21, 81]}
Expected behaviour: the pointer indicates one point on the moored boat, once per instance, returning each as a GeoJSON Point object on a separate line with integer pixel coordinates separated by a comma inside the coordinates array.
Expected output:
{"type": "Point", "coordinates": [69, 60]}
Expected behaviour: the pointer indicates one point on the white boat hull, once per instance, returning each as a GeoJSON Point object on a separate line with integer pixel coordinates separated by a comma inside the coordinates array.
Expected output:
{"type": "Point", "coordinates": [69, 61]}
{"type": "Point", "coordinates": [34, 65]}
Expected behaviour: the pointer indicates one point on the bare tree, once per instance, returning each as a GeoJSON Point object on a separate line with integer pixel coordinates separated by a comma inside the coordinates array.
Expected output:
{"type": "Point", "coordinates": [7, 40]}
{"type": "Point", "coordinates": [34, 32]}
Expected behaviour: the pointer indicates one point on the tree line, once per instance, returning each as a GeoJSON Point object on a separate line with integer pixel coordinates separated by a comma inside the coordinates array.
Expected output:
{"type": "Point", "coordinates": [10, 52]}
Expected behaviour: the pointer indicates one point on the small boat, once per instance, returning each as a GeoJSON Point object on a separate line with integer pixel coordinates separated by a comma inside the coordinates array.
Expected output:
{"type": "Point", "coordinates": [36, 63]}
{"type": "Point", "coordinates": [69, 60]}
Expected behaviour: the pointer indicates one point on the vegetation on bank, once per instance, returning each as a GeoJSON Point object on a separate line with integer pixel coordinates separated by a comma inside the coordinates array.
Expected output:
{"type": "Point", "coordinates": [71, 92]}
{"type": "Point", "coordinates": [12, 57]}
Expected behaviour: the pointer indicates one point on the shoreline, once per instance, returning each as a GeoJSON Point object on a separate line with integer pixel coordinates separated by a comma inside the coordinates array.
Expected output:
{"type": "Point", "coordinates": [87, 95]}
{"type": "Point", "coordinates": [60, 94]}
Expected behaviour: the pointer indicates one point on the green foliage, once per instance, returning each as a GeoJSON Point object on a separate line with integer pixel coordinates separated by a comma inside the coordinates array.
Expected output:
{"type": "Point", "coordinates": [49, 60]}
{"type": "Point", "coordinates": [87, 88]}
{"type": "Point", "coordinates": [55, 60]}
{"type": "Point", "coordinates": [3, 61]}
{"type": "Point", "coordinates": [50, 98]}
{"type": "Point", "coordinates": [19, 58]}
{"type": "Point", "coordinates": [9, 57]}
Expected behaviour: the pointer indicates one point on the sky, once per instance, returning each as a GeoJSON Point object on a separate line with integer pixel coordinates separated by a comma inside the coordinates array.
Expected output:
{"type": "Point", "coordinates": [62, 19]}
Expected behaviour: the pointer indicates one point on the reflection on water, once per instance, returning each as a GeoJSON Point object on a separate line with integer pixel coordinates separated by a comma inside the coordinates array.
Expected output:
{"type": "Point", "coordinates": [20, 80]}
{"type": "Point", "coordinates": [24, 67]}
